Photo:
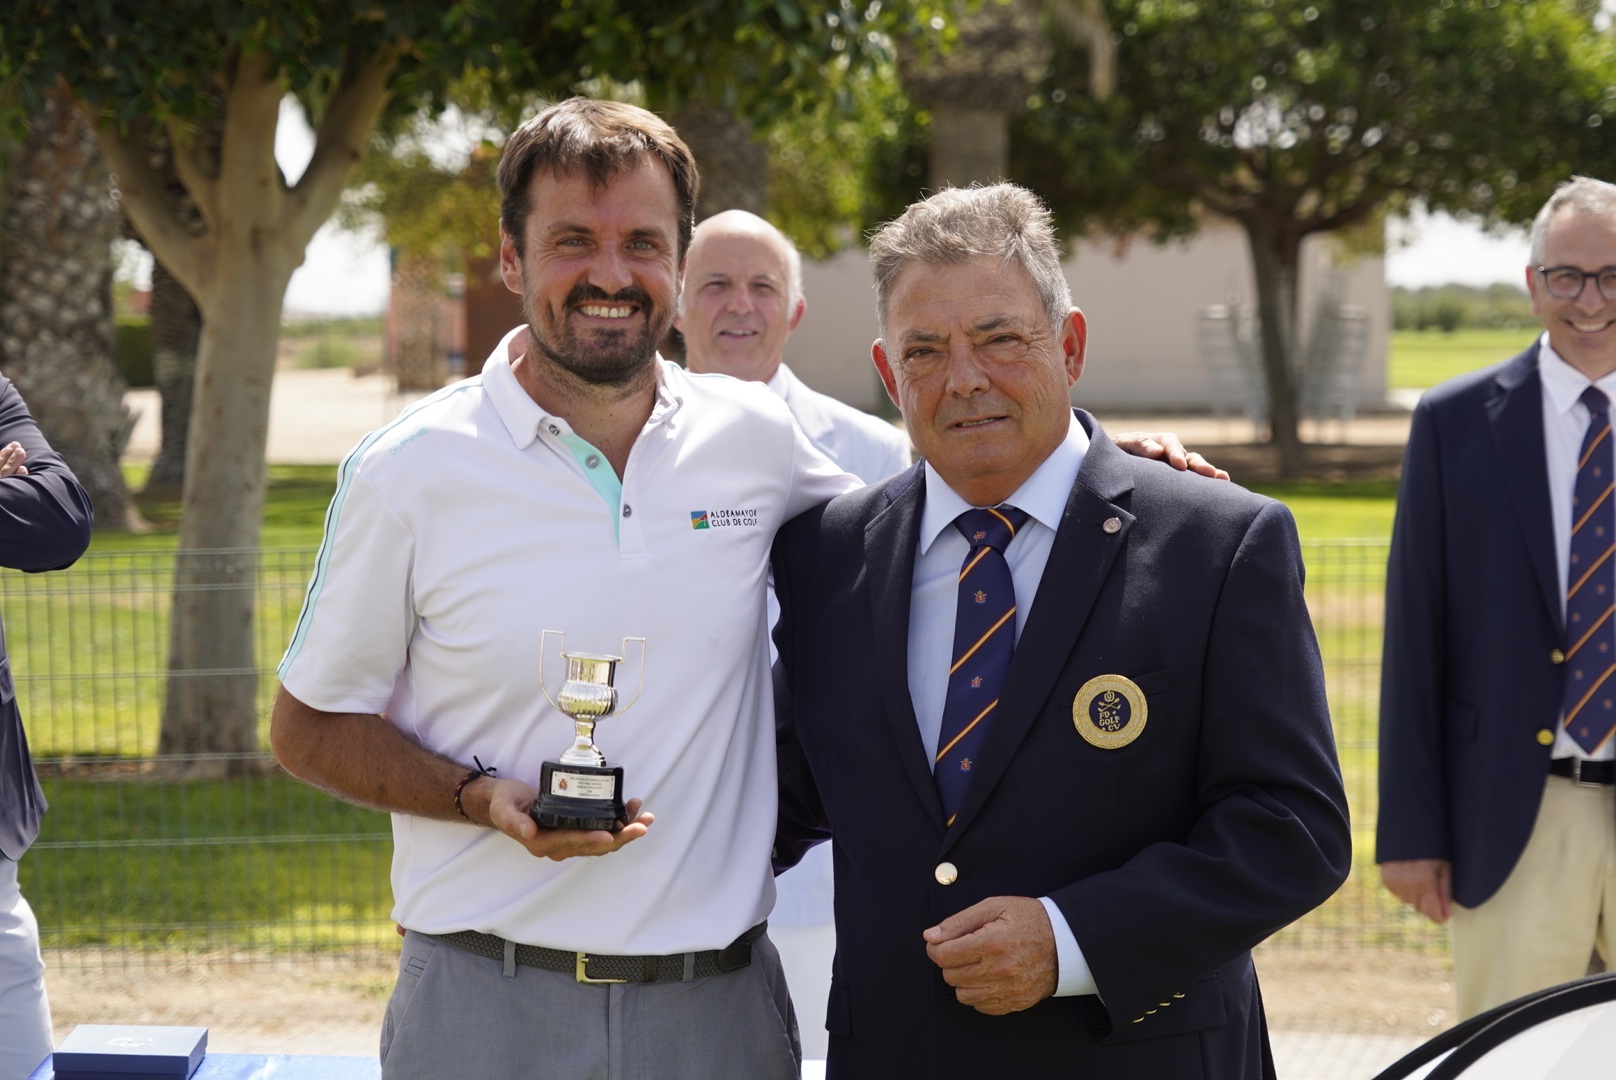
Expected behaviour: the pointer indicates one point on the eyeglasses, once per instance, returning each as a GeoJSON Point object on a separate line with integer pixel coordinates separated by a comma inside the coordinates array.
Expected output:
{"type": "Point", "coordinates": [1566, 282]}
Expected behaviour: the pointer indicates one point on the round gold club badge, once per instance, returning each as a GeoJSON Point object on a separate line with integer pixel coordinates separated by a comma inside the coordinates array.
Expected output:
{"type": "Point", "coordinates": [1109, 711]}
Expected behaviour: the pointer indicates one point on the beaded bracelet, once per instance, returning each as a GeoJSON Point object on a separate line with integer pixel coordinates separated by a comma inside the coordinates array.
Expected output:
{"type": "Point", "coordinates": [480, 770]}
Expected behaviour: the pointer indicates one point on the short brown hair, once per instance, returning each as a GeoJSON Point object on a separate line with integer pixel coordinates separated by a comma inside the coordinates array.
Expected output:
{"type": "Point", "coordinates": [604, 139]}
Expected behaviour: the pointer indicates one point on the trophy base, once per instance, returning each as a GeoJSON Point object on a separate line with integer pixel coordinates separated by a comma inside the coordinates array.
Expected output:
{"type": "Point", "coordinates": [580, 797]}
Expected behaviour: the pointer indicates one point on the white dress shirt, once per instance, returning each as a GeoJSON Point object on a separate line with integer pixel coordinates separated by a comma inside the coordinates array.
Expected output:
{"type": "Point", "coordinates": [869, 447]}
{"type": "Point", "coordinates": [1565, 423]}
{"type": "Point", "coordinates": [938, 556]}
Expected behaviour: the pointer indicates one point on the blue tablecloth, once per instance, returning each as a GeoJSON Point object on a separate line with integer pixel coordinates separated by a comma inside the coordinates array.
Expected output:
{"type": "Point", "coordinates": [268, 1067]}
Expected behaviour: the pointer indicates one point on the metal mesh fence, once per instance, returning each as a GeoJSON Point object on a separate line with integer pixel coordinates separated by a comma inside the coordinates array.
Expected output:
{"type": "Point", "coordinates": [149, 859]}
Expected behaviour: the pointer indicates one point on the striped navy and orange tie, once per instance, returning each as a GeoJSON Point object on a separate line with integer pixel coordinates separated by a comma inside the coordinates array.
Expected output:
{"type": "Point", "coordinates": [984, 639]}
{"type": "Point", "coordinates": [1590, 695]}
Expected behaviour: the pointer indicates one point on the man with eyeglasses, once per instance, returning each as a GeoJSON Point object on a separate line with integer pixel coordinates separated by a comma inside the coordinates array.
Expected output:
{"type": "Point", "coordinates": [1498, 685]}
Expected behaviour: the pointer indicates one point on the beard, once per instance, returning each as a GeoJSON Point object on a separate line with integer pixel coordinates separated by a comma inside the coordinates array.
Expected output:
{"type": "Point", "coordinates": [609, 357]}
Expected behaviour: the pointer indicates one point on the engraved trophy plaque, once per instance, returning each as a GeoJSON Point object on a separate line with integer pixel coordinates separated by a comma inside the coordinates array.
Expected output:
{"type": "Point", "coordinates": [580, 790]}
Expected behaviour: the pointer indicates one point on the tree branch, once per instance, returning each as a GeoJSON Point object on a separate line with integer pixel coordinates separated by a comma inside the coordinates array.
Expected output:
{"type": "Point", "coordinates": [1084, 21]}
{"type": "Point", "coordinates": [340, 143]}
{"type": "Point", "coordinates": [249, 180]}
{"type": "Point", "coordinates": [1358, 212]}
{"type": "Point", "coordinates": [145, 200]}
{"type": "Point", "coordinates": [1218, 199]}
{"type": "Point", "coordinates": [197, 171]}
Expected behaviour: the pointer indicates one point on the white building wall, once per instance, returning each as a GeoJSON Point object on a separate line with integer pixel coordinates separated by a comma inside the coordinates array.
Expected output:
{"type": "Point", "coordinates": [1141, 300]}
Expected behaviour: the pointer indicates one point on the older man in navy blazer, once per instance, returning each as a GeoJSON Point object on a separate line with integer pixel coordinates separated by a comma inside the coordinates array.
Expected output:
{"type": "Point", "coordinates": [1061, 714]}
{"type": "Point", "coordinates": [45, 522]}
{"type": "Point", "coordinates": [1497, 807]}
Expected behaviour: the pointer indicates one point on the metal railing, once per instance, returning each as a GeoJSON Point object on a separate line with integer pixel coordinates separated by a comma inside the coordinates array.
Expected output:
{"type": "Point", "coordinates": [140, 862]}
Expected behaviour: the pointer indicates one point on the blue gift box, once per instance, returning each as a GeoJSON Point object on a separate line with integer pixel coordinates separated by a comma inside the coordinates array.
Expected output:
{"type": "Point", "coordinates": [123, 1050]}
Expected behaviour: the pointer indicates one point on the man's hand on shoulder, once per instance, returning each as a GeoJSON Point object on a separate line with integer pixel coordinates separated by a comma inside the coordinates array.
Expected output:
{"type": "Point", "coordinates": [1166, 446]}
{"type": "Point", "coordinates": [1424, 884]}
{"type": "Point", "coordinates": [508, 803]}
{"type": "Point", "coordinates": [998, 955]}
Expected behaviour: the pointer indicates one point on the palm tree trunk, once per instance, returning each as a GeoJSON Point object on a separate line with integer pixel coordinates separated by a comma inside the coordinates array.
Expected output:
{"type": "Point", "coordinates": [176, 326]}
{"type": "Point", "coordinates": [419, 361]}
{"type": "Point", "coordinates": [56, 322]}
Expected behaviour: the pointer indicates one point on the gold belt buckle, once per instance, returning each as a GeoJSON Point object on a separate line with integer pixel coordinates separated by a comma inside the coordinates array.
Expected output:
{"type": "Point", "coordinates": [582, 972]}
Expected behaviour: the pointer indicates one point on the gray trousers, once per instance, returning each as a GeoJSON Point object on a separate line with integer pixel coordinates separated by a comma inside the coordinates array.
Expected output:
{"type": "Point", "coordinates": [25, 1020]}
{"type": "Point", "coordinates": [454, 1014]}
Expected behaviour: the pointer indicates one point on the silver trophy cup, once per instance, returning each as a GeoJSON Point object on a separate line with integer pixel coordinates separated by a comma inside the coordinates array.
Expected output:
{"type": "Point", "coordinates": [580, 789]}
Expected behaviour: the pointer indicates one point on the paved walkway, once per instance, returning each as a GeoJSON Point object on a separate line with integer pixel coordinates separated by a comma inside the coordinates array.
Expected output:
{"type": "Point", "coordinates": [317, 416]}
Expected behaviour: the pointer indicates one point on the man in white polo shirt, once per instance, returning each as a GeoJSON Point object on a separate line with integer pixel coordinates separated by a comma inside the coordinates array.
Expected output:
{"type": "Point", "coordinates": [578, 485]}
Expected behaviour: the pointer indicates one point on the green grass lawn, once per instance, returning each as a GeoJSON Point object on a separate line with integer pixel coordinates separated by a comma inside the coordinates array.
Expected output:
{"type": "Point", "coordinates": [266, 862]}
{"type": "Point", "coordinates": [251, 863]}
{"type": "Point", "coordinates": [89, 644]}
{"type": "Point", "coordinates": [1420, 359]}
{"type": "Point", "coordinates": [295, 500]}
{"type": "Point", "coordinates": [1352, 510]}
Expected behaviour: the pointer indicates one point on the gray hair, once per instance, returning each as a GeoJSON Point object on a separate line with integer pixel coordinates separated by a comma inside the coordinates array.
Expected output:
{"type": "Point", "coordinates": [1003, 221]}
{"type": "Point", "coordinates": [1582, 194]}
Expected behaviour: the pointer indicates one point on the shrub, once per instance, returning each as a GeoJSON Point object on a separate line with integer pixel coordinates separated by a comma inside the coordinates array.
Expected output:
{"type": "Point", "coordinates": [133, 343]}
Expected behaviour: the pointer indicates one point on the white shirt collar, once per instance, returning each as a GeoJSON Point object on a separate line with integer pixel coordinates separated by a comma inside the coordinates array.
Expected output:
{"type": "Point", "coordinates": [1562, 383]}
{"type": "Point", "coordinates": [1043, 495]}
{"type": "Point", "coordinates": [521, 414]}
{"type": "Point", "coordinates": [780, 382]}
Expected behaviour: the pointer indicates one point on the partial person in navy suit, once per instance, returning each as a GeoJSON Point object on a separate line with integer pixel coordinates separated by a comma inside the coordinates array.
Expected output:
{"type": "Point", "coordinates": [1060, 712]}
{"type": "Point", "coordinates": [45, 521]}
{"type": "Point", "coordinates": [1496, 812]}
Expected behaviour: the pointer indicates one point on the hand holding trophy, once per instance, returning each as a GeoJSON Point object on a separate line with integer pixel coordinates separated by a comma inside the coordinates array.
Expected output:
{"type": "Point", "coordinates": [580, 790]}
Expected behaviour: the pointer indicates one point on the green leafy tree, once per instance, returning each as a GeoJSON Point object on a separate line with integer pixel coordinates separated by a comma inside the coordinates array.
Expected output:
{"type": "Point", "coordinates": [132, 74]}
{"type": "Point", "coordinates": [134, 71]}
{"type": "Point", "coordinates": [1297, 117]}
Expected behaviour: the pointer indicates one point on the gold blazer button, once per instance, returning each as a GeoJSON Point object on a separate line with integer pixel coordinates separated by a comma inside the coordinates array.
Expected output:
{"type": "Point", "coordinates": [946, 873]}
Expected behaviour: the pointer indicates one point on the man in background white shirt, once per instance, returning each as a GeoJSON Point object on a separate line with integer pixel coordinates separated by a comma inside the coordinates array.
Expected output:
{"type": "Point", "coordinates": [742, 298]}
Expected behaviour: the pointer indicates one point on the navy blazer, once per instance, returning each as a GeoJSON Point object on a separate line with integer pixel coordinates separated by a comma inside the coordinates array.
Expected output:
{"type": "Point", "coordinates": [45, 521]}
{"type": "Point", "coordinates": [1471, 681]}
{"type": "Point", "coordinates": [1170, 857]}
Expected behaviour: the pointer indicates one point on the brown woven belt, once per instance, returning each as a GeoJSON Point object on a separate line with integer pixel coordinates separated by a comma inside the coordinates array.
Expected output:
{"type": "Point", "coordinates": [595, 968]}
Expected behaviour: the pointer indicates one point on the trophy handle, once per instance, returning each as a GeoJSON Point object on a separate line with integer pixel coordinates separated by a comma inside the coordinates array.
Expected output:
{"type": "Point", "coordinates": [641, 688]}
{"type": "Point", "coordinates": [543, 637]}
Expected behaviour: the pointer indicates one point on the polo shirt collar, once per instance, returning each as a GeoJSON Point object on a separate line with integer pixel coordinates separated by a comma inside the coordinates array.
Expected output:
{"type": "Point", "coordinates": [522, 416]}
{"type": "Point", "coordinates": [1043, 495]}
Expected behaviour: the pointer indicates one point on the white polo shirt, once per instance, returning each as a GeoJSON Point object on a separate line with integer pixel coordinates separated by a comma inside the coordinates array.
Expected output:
{"type": "Point", "coordinates": [475, 521]}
